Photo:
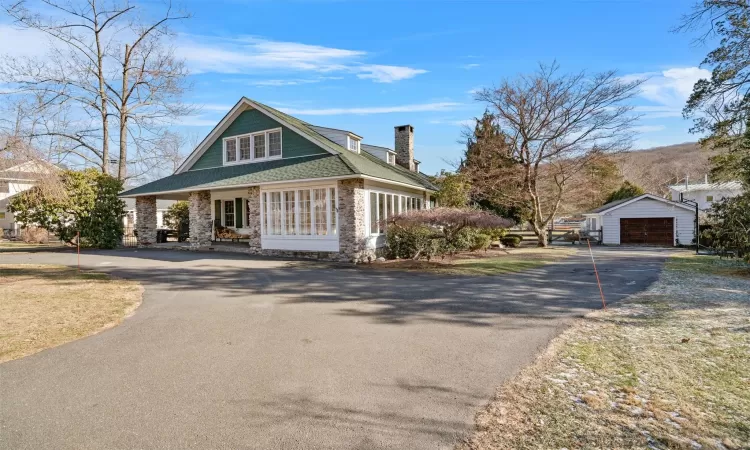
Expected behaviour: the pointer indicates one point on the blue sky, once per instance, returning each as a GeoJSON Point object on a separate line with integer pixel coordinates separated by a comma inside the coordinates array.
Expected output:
{"type": "Point", "coordinates": [367, 66]}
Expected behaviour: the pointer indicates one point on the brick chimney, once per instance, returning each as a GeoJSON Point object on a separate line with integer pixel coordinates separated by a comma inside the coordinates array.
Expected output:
{"type": "Point", "coordinates": [404, 146]}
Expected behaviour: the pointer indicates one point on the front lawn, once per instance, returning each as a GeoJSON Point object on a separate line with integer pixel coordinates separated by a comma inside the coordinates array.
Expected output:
{"type": "Point", "coordinates": [667, 368]}
{"type": "Point", "coordinates": [43, 306]}
{"type": "Point", "coordinates": [492, 262]}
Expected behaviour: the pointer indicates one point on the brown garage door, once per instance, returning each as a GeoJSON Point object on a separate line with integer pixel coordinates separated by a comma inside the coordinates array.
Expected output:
{"type": "Point", "coordinates": [651, 231]}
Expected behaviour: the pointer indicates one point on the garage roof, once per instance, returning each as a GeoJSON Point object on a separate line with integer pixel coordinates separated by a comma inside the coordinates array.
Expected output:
{"type": "Point", "coordinates": [620, 203]}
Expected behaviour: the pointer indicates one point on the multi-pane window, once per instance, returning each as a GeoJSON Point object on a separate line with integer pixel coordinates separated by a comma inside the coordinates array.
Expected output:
{"type": "Point", "coordinates": [259, 144]}
{"type": "Point", "coordinates": [252, 147]}
{"type": "Point", "coordinates": [274, 213]}
{"type": "Point", "coordinates": [374, 226]}
{"type": "Point", "coordinates": [290, 212]}
{"type": "Point", "coordinates": [245, 147]}
{"type": "Point", "coordinates": [383, 205]}
{"type": "Point", "coordinates": [229, 213]}
{"type": "Point", "coordinates": [305, 221]}
{"type": "Point", "coordinates": [231, 150]}
{"type": "Point", "coordinates": [302, 212]}
{"type": "Point", "coordinates": [274, 144]}
{"type": "Point", "coordinates": [321, 212]}
{"type": "Point", "coordinates": [333, 208]}
{"type": "Point", "coordinates": [353, 145]}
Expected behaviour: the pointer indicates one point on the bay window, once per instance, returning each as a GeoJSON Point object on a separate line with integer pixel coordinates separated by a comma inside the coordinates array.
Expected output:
{"type": "Point", "coordinates": [252, 147]}
{"type": "Point", "coordinates": [300, 212]}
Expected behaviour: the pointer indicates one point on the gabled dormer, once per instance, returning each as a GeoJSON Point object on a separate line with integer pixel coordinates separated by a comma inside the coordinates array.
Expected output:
{"type": "Point", "coordinates": [346, 139]}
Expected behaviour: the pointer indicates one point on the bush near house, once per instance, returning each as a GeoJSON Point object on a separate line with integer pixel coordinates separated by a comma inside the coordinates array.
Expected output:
{"type": "Point", "coordinates": [442, 231]}
{"type": "Point", "coordinates": [511, 240]}
{"type": "Point", "coordinates": [88, 205]}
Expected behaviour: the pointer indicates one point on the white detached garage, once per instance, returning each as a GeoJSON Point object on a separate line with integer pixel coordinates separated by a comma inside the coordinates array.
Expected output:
{"type": "Point", "coordinates": [646, 219]}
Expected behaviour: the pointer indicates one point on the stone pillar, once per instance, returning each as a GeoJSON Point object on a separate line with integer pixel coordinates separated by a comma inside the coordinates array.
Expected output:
{"type": "Point", "coordinates": [201, 226]}
{"type": "Point", "coordinates": [253, 218]}
{"type": "Point", "coordinates": [145, 225]}
{"type": "Point", "coordinates": [352, 225]}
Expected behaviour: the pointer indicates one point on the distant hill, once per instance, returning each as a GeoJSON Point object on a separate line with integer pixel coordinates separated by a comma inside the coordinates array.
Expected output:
{"type": "Point", "coordinates": [656, 168]}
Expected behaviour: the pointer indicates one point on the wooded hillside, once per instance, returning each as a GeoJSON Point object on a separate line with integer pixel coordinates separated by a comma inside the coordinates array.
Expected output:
{"type": "Point", "coordinates": [656, 168]}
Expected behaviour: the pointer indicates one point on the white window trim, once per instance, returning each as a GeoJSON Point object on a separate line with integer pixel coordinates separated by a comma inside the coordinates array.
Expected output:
{"type": "Point", "coordinates": [398, 195]}
{"type": "Point", "coordinates": [252, 158]}
{"type": "Point", "coordinates": [265, 208]}
{"type": "Point", "coordinates": [390, 158]}
{"type": "Point", "coordinates": [349, 140]}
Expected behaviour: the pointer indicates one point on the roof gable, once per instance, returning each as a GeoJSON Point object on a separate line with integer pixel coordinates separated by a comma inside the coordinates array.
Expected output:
{"type": "Point", "coordinates": [240, 107]}
{"type": "Point", "coordinates": [609, 207]}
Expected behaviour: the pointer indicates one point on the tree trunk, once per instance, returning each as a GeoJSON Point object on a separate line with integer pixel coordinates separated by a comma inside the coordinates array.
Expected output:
{"type": "Point", "coordinates": [542, 239]}
{"type": "Point", "coordinates": [122, 169]}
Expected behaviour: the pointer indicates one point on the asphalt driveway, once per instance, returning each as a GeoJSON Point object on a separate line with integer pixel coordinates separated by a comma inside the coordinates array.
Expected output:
{"type": "Point", "coordinates": [236, 352]}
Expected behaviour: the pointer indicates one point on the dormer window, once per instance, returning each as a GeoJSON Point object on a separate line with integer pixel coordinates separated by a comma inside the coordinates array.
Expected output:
{"type": "Point", "coordinates": [352, 144]}
{"type": "Point", "coordinates": [391, 158]}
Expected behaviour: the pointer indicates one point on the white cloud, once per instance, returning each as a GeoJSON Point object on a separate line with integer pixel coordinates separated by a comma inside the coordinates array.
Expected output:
{"type": "Point", "coordinates": [667, 91]}
{"type": "Point", "coordinates": [457, 123]}
{"type": "Point", "coordinates": [18, 42]}
{"type": "Point", "coordinates": [386, 74]}
{"type": "Point", "coordinates": [248, 53]}
{"type": "Point", "coordinates": [470, 66]}
{"type": "Point", "coordinates": [420, 107]}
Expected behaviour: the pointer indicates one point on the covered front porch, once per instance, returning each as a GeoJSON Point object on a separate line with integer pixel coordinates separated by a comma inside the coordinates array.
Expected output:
{"type": "Point", "coordinates": [307, 220]}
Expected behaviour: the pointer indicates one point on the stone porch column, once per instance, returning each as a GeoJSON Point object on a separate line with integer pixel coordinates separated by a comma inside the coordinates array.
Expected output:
{"type": "Point", "coordinates": [201, 226]}
{"type": "Point", "coordinates": [253, 218]}
{"type": "Point", "coordinates": [352, 226]}
{"type": "Point", "coordinates": [145, 225]}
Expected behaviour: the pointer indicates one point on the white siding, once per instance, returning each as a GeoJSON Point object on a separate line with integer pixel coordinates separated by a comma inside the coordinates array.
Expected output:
{"type": "Point", "coordinates": [684, 220]}
{"type": "Point", "coordinates": [700, 196]}
{"type": "Point", "coordinates": [337, 136]}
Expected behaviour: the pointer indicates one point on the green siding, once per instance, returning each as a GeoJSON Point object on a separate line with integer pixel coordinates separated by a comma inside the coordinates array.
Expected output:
{"type": "Point", "coordinates": [292, 144]}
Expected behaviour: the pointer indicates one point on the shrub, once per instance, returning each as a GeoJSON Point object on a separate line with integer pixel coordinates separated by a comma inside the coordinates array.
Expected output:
{"type": "Point", "coordinates": [409, 241]}
{"type": "Point", "coordinates": [177, 215]}
{"type": "Point", "coordinates": [439, 231]}
{"type": "Point", "coordinates": [511, 240]}
{"type": "Point", "coordinates": [480, 241]}
{"type": "Point", "coordinates": [35, 235]}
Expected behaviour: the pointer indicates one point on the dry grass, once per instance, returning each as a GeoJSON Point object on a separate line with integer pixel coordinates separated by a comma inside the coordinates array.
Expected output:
{"type": "Point", "coordinates": [668, 368]}
{"type": "Point", "coordinates": [491, 262]}
{"type": "Point", "coordinates": [44, 306]}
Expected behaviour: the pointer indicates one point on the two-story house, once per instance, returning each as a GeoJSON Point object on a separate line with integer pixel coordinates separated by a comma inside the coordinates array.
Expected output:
{"type": "Point", "coordinates": [16, 177]}
{"type": "Point", "coordinates": [705, 193]}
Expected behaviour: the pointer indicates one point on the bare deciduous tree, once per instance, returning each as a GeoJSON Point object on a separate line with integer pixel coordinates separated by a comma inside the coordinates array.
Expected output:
{"type": "Point", "coordinates": [556, 125]}
{"type": "Point", "coordinates": [106, 63]}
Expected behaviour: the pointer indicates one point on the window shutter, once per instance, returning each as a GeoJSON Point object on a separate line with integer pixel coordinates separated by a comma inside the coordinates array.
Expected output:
{"type": "Point", "coordinates": [217, 212]}
{"type": "Point", "coordinates": [238, 212]}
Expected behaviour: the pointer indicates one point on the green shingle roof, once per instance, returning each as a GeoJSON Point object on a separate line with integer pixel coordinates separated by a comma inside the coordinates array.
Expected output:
{"type": "Point", "coordinates": [340, 162]}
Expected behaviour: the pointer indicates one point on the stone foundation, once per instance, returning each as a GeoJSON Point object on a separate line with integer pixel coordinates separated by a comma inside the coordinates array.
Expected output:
{"type": "Point", "coordinates": [201, 225]}
{"type": "Point", "coordinates": [145, 225]}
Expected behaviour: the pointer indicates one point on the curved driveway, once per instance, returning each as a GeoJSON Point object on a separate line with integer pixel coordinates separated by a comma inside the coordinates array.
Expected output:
{"type": "Point", "coordinates": [236, 352]}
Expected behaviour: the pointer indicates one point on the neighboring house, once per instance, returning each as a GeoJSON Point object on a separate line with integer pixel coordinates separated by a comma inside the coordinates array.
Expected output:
{"type": "Point", "coordinates": [290, 187]}
{"type": "Point", "coordinates": [705, 193]}
{"type": "Point", "coordinates": [645, 219]}
{"type": "Point", "coordinates": [16, 177]}
{"type": "Point", "coordinates": [131, 217]}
